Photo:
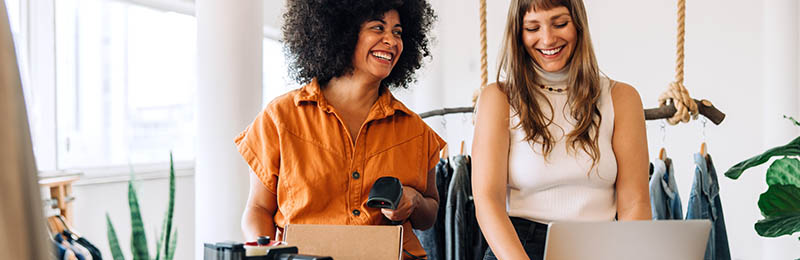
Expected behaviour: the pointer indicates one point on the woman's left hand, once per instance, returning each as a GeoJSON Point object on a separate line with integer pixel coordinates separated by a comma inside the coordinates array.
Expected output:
{"type": "Point", "coordinates": [408, 203]}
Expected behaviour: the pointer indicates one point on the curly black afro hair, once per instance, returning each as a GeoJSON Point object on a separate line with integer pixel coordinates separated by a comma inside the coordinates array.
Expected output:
{"type": "Point", "coordinates": [320, 37]}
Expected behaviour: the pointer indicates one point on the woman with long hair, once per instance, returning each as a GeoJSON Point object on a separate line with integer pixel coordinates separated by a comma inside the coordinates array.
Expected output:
{"type": "Point", "coordinates": [554, 139]}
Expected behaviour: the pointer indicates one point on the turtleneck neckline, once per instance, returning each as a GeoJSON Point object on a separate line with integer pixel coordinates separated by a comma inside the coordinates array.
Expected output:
{"type": "Point", "coordinates": [558, 78]}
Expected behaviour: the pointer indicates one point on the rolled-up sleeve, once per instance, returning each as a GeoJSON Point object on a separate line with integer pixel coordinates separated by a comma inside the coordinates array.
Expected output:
{"type": "Point", "coordinates": [259, 145]}
{"type": "Point", "coordinates": [433, 144]}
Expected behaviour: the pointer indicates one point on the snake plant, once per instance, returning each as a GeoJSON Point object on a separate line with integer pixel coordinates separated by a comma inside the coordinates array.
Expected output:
{"type": "Point", "coordinates": [780, 204]}
{"type": "Point", "coordinates": [165, 245]}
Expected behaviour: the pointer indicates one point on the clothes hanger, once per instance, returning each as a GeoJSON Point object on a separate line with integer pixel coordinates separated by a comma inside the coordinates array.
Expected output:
{"type": "Point", "coordinates": [662, 154]}
{"type": "Point", "coordinates": [68, 228]}
{"type": "Point", "coordinates": [703, 146]}
{"type": "Point", "coordinates": [55, 226]}
{"type": "Point", "coordinates": [444, 153]}
{"type": "Point", "coordinates": [703, 150]}
{"type": "Point", "coordinates": [51, 226]}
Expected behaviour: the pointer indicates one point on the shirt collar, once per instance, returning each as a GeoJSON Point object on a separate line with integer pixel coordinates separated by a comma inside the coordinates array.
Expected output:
{"type": "Point", "coordinates": [385, 106]}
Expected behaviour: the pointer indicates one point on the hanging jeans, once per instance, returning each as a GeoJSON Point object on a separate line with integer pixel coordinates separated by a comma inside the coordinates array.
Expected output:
{"type": "Point", "coordinates": [531, 234]}
{"type": "Point", "coordinates": [704, 203]}
{"type": "Point", "coordinates": [664, 199]}
{"type": "Point", "coordinates": [432, 239]}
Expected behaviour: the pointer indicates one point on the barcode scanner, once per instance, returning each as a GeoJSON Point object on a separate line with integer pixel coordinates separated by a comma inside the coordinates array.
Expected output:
{"type": "Point", "coordinates": [385, 194]}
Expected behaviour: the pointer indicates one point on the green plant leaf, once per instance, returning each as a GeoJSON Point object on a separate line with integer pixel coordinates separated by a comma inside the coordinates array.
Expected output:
{"type": "Point", "coordinates": [780, 206]}
{"type": "Point", "coordinates": [784, 171]}
{"type": "Point", "coordinates": [170, 207]}
{"type": "Point", "coordinates": [113, 243]}
{"type": "Point", "coordinates": [172, 241]}
{"type": "Point", "coordinates": [159, 244]}
{"type": "Point", "coordinates": [790, 149]}
{"type": "Point", "coordinates": [163, 247]}
{"type": "Point", "coordinates": [138, 237]}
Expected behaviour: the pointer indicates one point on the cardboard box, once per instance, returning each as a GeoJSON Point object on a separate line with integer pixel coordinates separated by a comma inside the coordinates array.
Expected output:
{"type": "Point", "coordinates": [344, 242]}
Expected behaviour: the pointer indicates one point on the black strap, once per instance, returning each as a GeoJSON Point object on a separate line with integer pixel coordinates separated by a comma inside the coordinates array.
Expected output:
{"type": "Point", "coordinates": [413, 256]}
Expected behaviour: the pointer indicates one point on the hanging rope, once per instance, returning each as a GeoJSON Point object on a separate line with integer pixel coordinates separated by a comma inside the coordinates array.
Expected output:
{"type": "Point", "coordinates": [484, 63]}
{"type": "Point", "coordinates": [684, 104]}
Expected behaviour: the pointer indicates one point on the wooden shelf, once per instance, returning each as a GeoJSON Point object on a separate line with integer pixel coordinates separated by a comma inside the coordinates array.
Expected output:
{"type": "Point", "coordinates": [60, 187]}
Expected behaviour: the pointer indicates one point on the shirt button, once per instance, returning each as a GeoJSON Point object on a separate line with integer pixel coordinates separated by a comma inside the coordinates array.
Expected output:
{"type": "Point", "coordinates": [356, 175]}
{"type": "Point", "coordinates": [356, 212]}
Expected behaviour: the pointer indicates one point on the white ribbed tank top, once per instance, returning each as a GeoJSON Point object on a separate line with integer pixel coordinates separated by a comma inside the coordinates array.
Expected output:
{"type": "Point", "coordinates": [561, 187]}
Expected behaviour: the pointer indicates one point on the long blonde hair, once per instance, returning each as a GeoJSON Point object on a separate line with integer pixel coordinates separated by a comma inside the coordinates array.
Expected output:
{"type": "Point", "coordinates": [520, 80]}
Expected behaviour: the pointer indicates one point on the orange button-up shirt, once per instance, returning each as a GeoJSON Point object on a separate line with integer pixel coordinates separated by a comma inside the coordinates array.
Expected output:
{"type": "Point", "coordinates": [301, 151]}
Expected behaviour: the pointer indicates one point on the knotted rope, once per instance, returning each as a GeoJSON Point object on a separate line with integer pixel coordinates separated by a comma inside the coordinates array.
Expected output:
{"type": "Point", "coordinates": [684, 104]}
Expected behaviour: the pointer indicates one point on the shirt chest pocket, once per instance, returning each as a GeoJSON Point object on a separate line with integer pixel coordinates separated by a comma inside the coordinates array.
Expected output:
{"type": "Point", "coordinates": [405, 161]}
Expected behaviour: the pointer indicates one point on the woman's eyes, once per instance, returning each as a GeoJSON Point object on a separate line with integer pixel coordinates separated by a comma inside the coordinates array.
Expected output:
{"type": "Point", "coordinates": [557, 25]}
{"type": "Point", "coordinates": [381, 28]}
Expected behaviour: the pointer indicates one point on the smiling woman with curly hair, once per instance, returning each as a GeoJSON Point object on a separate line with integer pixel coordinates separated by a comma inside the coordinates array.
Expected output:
{"type": "Point", "coordinates": [321, 36]}
{"type": "Point", "coordinates": [316, 151]}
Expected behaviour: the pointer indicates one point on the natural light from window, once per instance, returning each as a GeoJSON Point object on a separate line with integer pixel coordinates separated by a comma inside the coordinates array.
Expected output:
{"type": "Point", "coordinates": [125, 78]}
{"type": "Point", "coordinates": [276, 80]}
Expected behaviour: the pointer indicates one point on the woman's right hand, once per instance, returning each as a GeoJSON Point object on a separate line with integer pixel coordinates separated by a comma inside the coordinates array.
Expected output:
{"type": "Point", "coordinates": [490, 172]}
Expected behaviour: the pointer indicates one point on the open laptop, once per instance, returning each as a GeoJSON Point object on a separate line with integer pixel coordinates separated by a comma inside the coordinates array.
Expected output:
{"type": "Point", "coordinates": [663, 239]}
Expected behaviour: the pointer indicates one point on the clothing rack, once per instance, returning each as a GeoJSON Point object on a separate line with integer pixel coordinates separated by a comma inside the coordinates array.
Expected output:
{"type": "Point", "coordinates": [704, 107]}
{"type": "Point", "coordinates": [445, 111]}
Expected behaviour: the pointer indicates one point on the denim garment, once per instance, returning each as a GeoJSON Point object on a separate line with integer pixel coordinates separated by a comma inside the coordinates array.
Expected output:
{"type": "Point", "coordinates": [665, 201]}
{"type": "Point", "coordinates": [531, 234]}
{"type": "Point", "coordinates": [704, 203]}
{"type": "Point", "coordinates": [432, 239]}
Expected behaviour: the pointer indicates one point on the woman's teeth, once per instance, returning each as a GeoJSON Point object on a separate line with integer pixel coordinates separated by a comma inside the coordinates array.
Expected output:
{"type": "Point", "coordinates": [551, 51]}
{"type": "Point", "coordinates": [382, 55]}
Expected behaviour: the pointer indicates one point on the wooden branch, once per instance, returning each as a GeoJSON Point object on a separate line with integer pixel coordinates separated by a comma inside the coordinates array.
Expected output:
{"type": "Point", "coordinates": [704, 107]}
{"type": "Point", "coordinates": [445, 111]}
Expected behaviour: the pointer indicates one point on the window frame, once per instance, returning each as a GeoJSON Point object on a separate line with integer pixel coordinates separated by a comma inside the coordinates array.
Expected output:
{"type": "Point", "coordinates": [38, 26]}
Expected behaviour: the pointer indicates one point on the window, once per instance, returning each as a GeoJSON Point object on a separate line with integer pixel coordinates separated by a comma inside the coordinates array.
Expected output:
{"type": "Point", "coordinates": [276, 81]}
{"type": "Point", "coordinates": [125, 82]}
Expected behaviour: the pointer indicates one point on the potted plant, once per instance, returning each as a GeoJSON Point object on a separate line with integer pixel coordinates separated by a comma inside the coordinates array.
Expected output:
{"type": "Point", "coordinates": [165, 245]}
{"type": "Point", "coordinates": [780, 204]}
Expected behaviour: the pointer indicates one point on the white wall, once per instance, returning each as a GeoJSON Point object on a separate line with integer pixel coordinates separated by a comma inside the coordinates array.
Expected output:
{"type": "Point", "coordinates": [635, 43]}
